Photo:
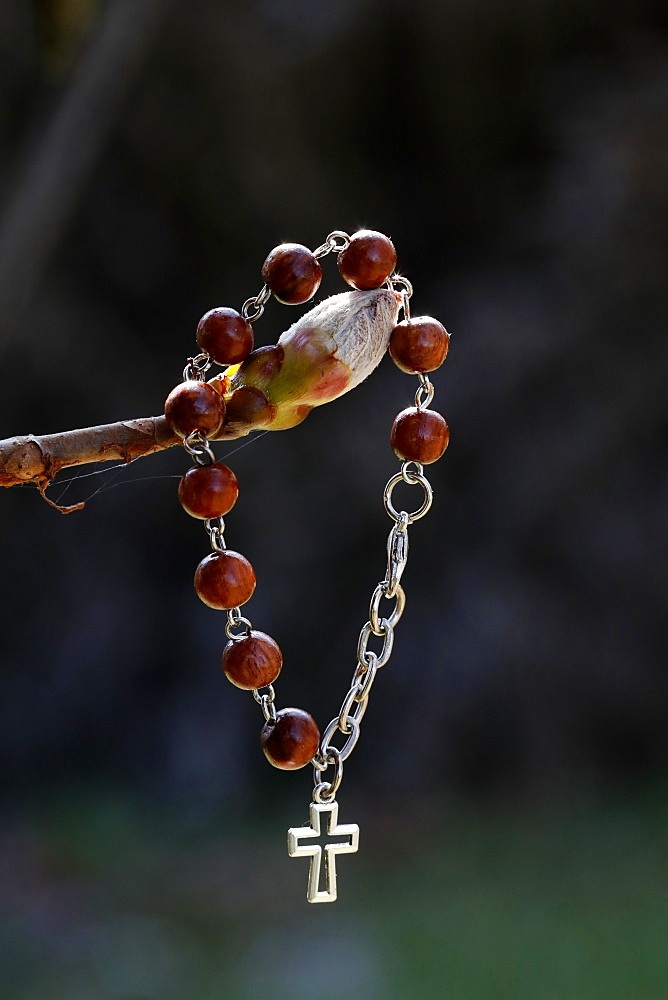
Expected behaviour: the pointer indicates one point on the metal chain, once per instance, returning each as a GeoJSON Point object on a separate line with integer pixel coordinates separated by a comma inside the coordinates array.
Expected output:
{"type": "Point", "coordinates": [253, 307]}
{"type": "Point", "coordinates": [198, 447]}
{"type": "Point", "coordinates": [379, 625]}
{"type": "Point", "coordinates": [404, 288]}
{"type": "Point", "coordinates": [265, 697]}
{"type": "Point", "coordinates": [335, 243]}
{"type": "Point", "coordinates": [196, 368]}
{"type": "Point", "coordinates": [216, 528]}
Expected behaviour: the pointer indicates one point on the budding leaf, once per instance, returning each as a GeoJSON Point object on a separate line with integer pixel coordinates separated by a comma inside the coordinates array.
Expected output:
{"type": "Point", "coordinates": [328, 351]}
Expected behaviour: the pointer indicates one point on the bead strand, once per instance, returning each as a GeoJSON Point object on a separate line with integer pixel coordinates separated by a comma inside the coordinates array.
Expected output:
{"type": "Point", "coordinates": [225, 579]}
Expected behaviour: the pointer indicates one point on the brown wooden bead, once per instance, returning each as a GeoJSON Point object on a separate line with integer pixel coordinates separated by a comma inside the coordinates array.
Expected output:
{"type": "Point", "coordinates": [208, 490]}
{"type": "Point", "coordinates": [419, 435]}
{"type": "Point", "coordinates": [194, 406]}
{"type": "Point", "coordinates": [252, 661]}
{"type": "Point", "coordinates": [292, 273]}
{"type": "Point", "coordinates": [419, 345]}
{"type": "Point", "coordinates": [292, 740]}
{"type": "Point", "coordinates": [225, 335]}
{"type": "Point", "coordinates": [368, 260]}
{"type": "Point", "coordinates": [224, 580]}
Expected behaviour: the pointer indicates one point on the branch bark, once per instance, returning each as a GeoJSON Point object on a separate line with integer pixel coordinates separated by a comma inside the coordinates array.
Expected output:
{"type": "Point", "coordinates": [37, 460]}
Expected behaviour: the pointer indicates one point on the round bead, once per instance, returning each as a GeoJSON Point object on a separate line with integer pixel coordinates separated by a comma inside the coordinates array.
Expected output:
{"type": "Point", "coordinates": [292, 740]}
{"type": "Point", "coordinates": [419, 435]}
{"type": "Point", "coordinates": [208, 490]}
{"type": "Point", "coordinates": [225, 335]}
{"type": "Point", "coordinates": [194, 406]}
{"type": "Point", "coordinates": [224, 580]}
{"type": "Point", "coordinates": [419, 345]}
{"type": "Point", "coordinates": [368, 260]}
{"type": "Point", "coordinates": [252, 661]}
{"type": "Point", "coordinates": [292, 273]}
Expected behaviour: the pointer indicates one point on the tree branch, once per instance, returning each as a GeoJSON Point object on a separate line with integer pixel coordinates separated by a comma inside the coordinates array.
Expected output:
{"type": "Point", "coordinates": [326, 353]}
{"type": "Point", "coordinates": [31, 459]}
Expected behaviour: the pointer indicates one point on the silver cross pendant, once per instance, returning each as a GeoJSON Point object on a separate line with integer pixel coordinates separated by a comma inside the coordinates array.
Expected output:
{"type": "Point", "coordinates": [311, 841]}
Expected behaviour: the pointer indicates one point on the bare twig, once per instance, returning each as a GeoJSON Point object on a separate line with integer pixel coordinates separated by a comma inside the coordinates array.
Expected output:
{"type": "Point", "coordinates": [31, 459]}
{"type": "Point", "coordinates": [326, 353]}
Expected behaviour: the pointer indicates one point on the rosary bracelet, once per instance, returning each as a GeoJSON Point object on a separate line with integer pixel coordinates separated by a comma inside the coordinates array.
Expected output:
{"type": "Point", "coordinates": [330, 349]}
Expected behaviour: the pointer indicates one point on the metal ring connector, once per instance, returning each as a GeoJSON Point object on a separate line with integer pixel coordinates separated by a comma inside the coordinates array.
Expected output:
{"type": "Point", "coordinates": [426, 390]}
{"type": "Point", "coordinates": [234, 621]}
{"type": "Point", "coordinates": [266, 702]}
{"type": "Point", "coordinates": [405, 287]}
{"type": "Point", "coordinates": [324, 791]}
{"type": "Point", "coordinates": [413, 480]}
{"type": "Point", "coordinates": [338, 240]}
{"type": "Point", "coordinates": [198, 447]}
{"type": "Point", "coordinates": [196, 368]}
{"type": "Point", "coordinates": [253, 307]}
{"type": "Point", "coordinates": [216, 528]}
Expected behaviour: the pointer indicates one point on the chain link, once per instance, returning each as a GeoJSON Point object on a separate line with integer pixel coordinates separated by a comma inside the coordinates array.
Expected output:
{"type": "Point", "coordinates": [425, 392]}
{"type": "Point", "coordinates": [324, 791]}
{"type": "Point", "coordinates": [265, 699]}
{"type": "Point", "coordinates": [216, 528]}
{"type": "Point", "coordinates": [335, 243]}
{"type": "Point", "coordinates": [380, 626]}
{"type": "Point", "coordinates": [234, 620]}
{"type": "Point", "coordinates": [196, 368]}
{"type": "Point", "coordinates": [415, 479]}
{"type": "Point", "coordinates": [198, 447]}
{"type": "Point", "coordinates": [253, 307]}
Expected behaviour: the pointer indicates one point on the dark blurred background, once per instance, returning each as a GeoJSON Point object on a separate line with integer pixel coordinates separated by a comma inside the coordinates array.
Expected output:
{"type": "Point", "coordinates": [151, 154]}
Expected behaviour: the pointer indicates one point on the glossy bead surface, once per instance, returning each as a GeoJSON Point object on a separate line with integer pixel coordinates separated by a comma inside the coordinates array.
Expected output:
{"type": "Point", "coordinates": [419, 345]}
{"type": "Point", "coordinates": [224, 580]}
{"type": "Point", "coordinates": [368, 260]}
{"type": "Point", "coordinates": [194, 406]}
{"type": "Point", "coordinates": [419, 435]}
{"type": "Point", "coordinates": [292, 273]}
{"type": "Point", "coordinates": [252, 661]}
{"type": "Point", "coordinates": [225, 335]}
{"type": "Point", "coordinates": [292, 740]}
{"type": "Point", "coordinates": [208, 490]}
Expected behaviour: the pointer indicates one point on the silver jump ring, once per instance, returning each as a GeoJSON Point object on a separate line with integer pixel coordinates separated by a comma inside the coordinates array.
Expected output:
{"type": "Point", "coordinates": [405, 286]}
{"type": "Point", "coordinates": [253, 307]}
{"type": "Point", "coordinates": [265, 700]}
{"type": "Point", "coordinates": [324, 791]}
{"type": "Point", "coordinates": [343, 238]}
{"type": "Point", "coordinates": [196, 368]}
{"type": "Point", "coordinates": [416, 478]}
{"type": "Point", "coordinates": [199, 449]}
{"type": "Point", "coordinates": [234, 623]}
{"type": "Point", "coordinates": [426, 388]}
